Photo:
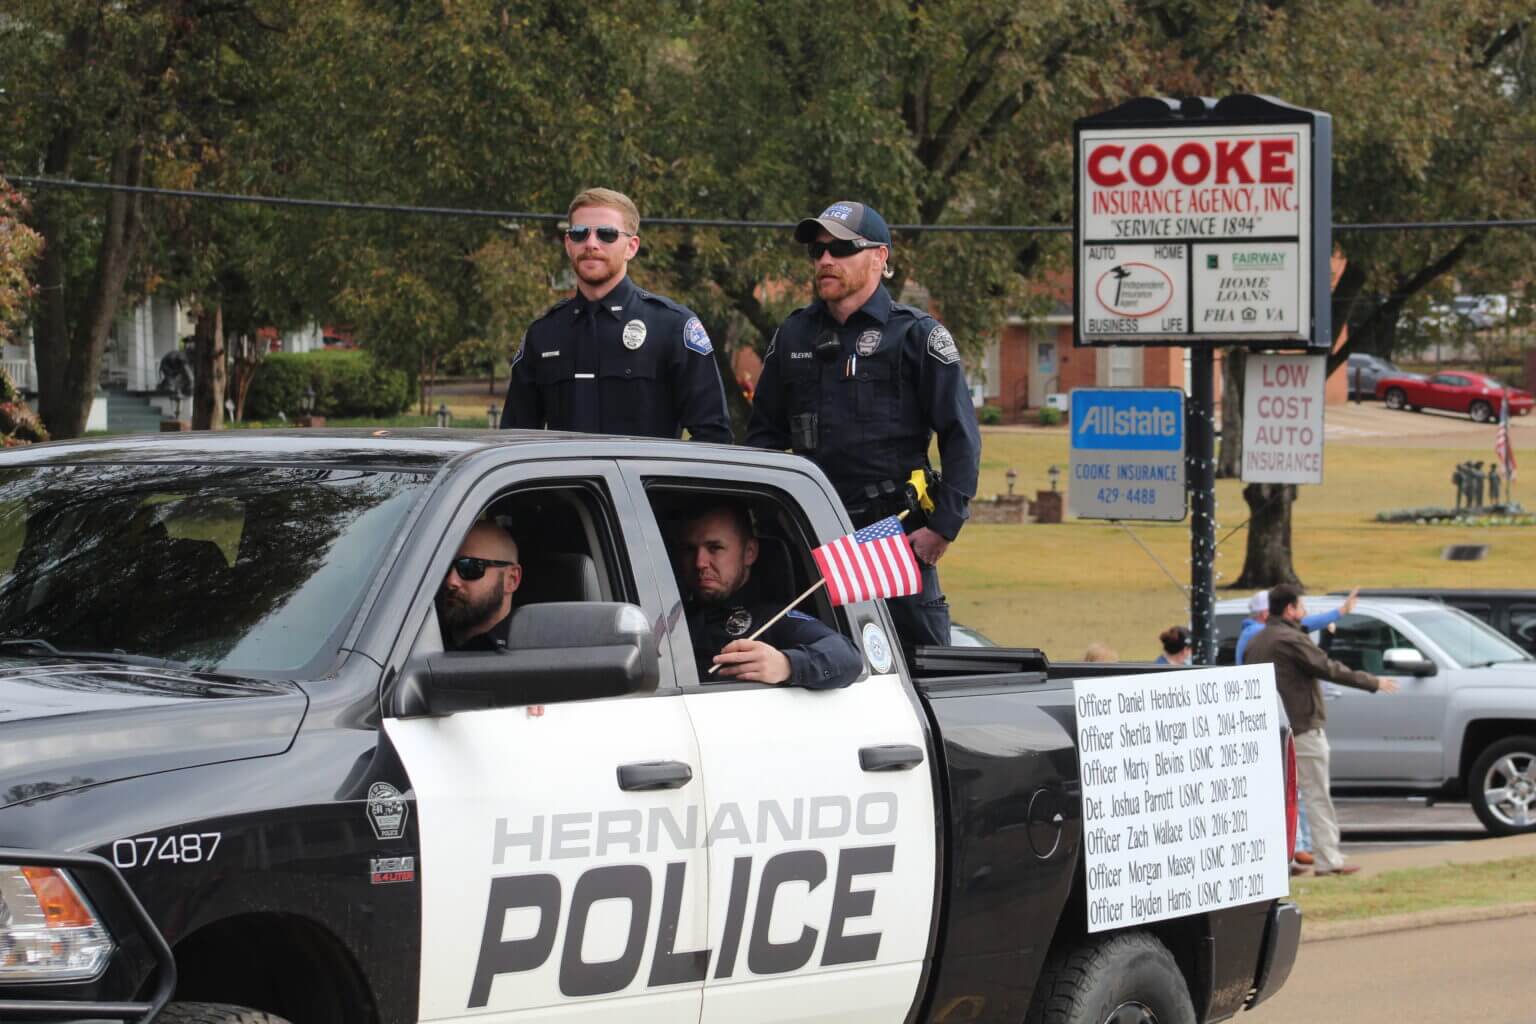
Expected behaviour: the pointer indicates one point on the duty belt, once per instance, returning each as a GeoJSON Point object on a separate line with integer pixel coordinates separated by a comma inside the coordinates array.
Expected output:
{"type": "Point", "coordinates": [873, 502]}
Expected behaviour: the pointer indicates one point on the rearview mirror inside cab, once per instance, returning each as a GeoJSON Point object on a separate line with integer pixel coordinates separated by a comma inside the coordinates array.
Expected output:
{"type": "Point", "coordinates": [559, 651]}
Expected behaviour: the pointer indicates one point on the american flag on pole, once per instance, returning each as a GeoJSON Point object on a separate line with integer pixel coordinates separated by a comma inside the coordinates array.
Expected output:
{"type": "Point", "coordinates": [1502, 449]}
{"type": "Point", "coordinates": [874, 562]}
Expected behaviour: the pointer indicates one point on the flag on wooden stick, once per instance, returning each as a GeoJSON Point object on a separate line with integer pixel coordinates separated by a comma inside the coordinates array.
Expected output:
{"type": "Point", "coordinates": [874, 562]}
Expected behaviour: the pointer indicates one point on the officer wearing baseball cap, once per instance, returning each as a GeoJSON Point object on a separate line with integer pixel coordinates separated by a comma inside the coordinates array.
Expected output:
{"type": "Point", "coordinates": [860, 384]}
{"type": "Point", "coordinates": [615, 358]}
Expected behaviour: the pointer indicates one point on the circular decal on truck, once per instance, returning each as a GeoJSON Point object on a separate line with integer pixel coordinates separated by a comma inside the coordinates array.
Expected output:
{"type": "Point", "coordinates": [877, 649]}
{"type": "Point", "coordinates": [1134, 289]}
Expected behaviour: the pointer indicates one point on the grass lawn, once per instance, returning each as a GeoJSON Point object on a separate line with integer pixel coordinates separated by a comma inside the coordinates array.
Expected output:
{"type": "Point", "coordinates": [1403, 892]}
{"type": "Point", "coordinates": [1064, 586]}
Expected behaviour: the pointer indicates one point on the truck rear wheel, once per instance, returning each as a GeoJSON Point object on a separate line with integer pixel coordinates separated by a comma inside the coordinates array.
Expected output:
{"type": "Point", "coordinates": [1129, 978]}
{"type": "Point", "coordinates": [214, 1013]}
{"type": "Point", "coordinates": [1502, 786]}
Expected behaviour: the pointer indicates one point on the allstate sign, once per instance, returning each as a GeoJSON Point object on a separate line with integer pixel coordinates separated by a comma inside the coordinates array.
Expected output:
{"type": "Point", "coordinates": [1127, 454]}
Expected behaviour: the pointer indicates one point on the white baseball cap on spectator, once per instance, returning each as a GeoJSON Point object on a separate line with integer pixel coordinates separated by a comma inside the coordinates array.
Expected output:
{"type": "Point", "coordinates": [1258, 603]}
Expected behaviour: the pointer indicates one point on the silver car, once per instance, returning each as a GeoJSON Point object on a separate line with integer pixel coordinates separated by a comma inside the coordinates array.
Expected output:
{"type": "Point", "coordinates": [1463, 722]}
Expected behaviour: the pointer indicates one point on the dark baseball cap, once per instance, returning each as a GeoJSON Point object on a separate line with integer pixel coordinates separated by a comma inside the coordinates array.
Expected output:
{"type": "Point", "coordinates": [845, 219]}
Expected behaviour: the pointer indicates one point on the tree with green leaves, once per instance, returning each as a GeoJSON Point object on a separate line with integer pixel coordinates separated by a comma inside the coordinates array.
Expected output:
{"type": "Point", "coordinates": [122, 94]}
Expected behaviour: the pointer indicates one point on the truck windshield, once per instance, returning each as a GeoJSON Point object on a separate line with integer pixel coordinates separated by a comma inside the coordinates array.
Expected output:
{"type": "Point", "coordinates": [1470, 642]}
{"type": "Point", "coordinates": [229, 568]}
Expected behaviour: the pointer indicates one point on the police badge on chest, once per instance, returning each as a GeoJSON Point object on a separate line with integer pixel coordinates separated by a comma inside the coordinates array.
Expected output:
{"type": "Point", "coordinates": [738, 622]}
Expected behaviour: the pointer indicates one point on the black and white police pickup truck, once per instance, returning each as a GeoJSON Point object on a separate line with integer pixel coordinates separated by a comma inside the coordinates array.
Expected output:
{"type": "Point", "coordinates": [242, 781]}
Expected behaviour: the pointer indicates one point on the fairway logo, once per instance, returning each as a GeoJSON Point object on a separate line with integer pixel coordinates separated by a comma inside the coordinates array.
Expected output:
{"type": "Point", "coordinates": [1107, 420]}
{"type": "Point", "coordinates": [1258, 260]}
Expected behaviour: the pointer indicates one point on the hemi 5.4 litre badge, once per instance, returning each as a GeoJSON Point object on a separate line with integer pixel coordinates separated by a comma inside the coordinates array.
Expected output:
{"type": "Point", "coordinates": [387, 870]}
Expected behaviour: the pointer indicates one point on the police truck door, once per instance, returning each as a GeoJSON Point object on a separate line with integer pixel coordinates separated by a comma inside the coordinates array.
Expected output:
{"type": "Point", "coordinates": [820, 804]}
{"type": "Point", "coordinates": [550, 887]}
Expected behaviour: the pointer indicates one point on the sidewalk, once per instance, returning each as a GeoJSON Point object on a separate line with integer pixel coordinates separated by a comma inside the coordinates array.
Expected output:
{"type": "Point", "coordinates": [1477, 851]}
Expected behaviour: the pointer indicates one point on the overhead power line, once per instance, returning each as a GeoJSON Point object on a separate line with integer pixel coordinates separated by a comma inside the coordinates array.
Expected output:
{"type": "Point", "coordinates": [1491, 224]}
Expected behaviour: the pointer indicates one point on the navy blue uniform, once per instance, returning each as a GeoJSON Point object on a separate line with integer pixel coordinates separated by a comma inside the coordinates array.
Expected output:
{"type": "Point", "coordinates": [819, 657]}
{"type": "Point", "coordinates": [890, 382]}
{"type": "Point", "coordinates": [628, 363]}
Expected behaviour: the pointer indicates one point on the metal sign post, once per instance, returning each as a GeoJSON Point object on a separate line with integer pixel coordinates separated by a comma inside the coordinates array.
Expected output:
{"type": "Point", "coordinates": [1203, 223]}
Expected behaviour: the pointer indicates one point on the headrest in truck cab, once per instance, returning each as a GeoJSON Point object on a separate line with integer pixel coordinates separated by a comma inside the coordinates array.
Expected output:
{"type": "Point", "coordinates": [558, 576]}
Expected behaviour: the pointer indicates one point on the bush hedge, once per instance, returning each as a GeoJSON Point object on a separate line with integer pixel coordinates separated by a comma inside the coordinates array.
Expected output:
{"type": "Point", "coordinates": [346, 383]}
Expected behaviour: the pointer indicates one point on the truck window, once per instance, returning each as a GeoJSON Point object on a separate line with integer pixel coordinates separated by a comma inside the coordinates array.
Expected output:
{"type": "Point", "coordinates": [1522, 626]}
{"type": "Point", "coordinates": [1359, 641]}
{"type": "Point", "coordinates": [783, 568]}
{"type": "Point", "coordinates": [567, 550]}
{"type": "Point", "coordinates": [230, 568]}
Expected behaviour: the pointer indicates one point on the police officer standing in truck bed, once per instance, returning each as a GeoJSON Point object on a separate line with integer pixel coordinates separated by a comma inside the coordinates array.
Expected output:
{"type": "Point", "coordinates": [614, 358]}
{"type": "Point", "coordinates": [859, 384]}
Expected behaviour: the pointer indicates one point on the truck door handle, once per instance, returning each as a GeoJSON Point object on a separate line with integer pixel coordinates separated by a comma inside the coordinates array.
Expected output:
{"type": "Point", "coordinates": [648, 775]}
{"type": "Point", "coordinates": [890, 757]}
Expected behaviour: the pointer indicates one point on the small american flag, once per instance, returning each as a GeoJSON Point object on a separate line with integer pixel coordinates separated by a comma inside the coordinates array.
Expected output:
{"type": "Point", "coordinates": [874, 562]}
{"type": "Point", "coordinates": [1502, 449]}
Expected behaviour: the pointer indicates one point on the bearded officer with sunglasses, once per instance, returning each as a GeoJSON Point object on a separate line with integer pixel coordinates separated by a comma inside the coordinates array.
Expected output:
{"type": "Point", "coordinates": [859, 384]}
{"type": "Point", "coordinates": [474, 604]}
{"type": "Point", "coordinates": [614, 358]}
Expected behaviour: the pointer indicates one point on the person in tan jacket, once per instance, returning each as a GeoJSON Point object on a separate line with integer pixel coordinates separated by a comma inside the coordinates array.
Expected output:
{"type": "Point", "coordinates": [1299, 665]}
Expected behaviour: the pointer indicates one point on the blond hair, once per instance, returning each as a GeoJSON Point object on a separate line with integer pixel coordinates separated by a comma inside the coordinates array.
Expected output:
{"type": "Point", "coordinates": [611, 199]}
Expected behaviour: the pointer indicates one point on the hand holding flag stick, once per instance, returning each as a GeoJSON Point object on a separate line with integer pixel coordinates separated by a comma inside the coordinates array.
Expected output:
{"type": "Point", "coordinates": [873, 562]}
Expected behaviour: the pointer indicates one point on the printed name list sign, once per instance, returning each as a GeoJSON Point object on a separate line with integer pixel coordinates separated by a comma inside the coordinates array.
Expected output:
{"type": "Point", "coordinates": [1183, 793]}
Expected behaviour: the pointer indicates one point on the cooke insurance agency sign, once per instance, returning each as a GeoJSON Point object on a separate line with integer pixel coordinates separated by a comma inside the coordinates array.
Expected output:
{"type": "Point", "coordinates": [1190, 231]}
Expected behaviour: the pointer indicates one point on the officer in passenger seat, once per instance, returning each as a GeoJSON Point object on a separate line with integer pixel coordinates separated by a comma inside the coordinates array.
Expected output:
{"type": "Point", "coordinates": [859, 384]}
{"type": "Point", "coordinates": [726, 605]}
{"type": "Point", "coordinates": [474, 604]}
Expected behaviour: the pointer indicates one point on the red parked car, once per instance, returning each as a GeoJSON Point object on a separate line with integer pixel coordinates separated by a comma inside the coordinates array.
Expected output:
{"type": "Point", "coordinates": [1475, 394]}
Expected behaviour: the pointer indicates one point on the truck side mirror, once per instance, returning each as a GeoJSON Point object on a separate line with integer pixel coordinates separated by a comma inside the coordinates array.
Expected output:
{"type": "Point", "coordinates": [1407, 661]}
{"type": "Point", "coordinates": [556, 652]}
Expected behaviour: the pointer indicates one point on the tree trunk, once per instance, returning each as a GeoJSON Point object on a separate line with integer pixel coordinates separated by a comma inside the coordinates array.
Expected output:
{"type": "Point", "coordinates": [1229, 465]}
{"type": "Point", "coordinates": [1267, 562]}
{"type": "Point", "coordinates": [208, 370]}
{"type": "Point", "coordinates": [69, 358]}
{"type": "Point", "coordinates": [247, 357]}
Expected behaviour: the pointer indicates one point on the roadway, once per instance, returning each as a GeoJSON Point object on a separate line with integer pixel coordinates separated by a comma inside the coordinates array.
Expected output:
{"type": "Point", "coordinates": [1479, 970]}
{"type": "Point", "coordinates": [1371, 423]}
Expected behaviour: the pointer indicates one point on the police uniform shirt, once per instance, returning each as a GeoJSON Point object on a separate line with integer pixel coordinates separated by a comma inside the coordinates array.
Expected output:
{"type": "Point", "coordinates": [493, 639]}
{"type": "Point", "coordinates": [819, 658]}
{"type": "Point", "coordinates": [896, 380]}
{"type": "Point", "coordinates": [628, 363]}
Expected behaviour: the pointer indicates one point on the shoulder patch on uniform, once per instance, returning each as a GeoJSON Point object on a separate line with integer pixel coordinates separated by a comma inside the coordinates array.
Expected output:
{"type": "Point", "coordinates": [941, 345]}
{"type": "Point", "coordinates": [772, 343]}
{"type": "Point", "coordinates": [802, 616]}
{"type": "Point", "coordinates": [696, 337]}
{"type": "Point", "coordinates": [522, 347]}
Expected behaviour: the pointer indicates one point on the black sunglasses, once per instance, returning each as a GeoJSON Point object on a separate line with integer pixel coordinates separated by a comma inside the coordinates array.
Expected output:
{"type": "Point", "coordinates": [607, 235]}
{"type": "Point", "coordinates": [840, 248]}
{"type": "Point", "coordinates": [470, 568]}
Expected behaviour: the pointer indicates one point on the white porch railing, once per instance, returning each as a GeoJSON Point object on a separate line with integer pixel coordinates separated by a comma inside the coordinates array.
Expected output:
{"type": "Point", "coordinates": [20, 372]}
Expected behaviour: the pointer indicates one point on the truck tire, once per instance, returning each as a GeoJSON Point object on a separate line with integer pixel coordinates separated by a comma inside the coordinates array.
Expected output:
{"type": "Point", "coordinates": [1129, 978]}
{"type": "Point", "coordinates": [1502, 786]}
{"type": "Point", "coordinates": [214, 1013]}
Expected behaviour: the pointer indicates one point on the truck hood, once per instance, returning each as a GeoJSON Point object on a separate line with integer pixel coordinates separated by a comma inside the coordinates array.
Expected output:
{"type": "Point", "coordinates": [66, 725]}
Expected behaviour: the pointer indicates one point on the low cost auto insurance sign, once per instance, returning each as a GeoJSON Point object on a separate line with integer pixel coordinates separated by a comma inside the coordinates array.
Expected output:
{"type": "Point", "coordinates": [1189, 231]}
